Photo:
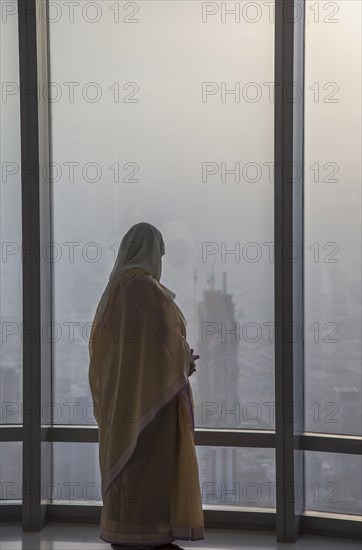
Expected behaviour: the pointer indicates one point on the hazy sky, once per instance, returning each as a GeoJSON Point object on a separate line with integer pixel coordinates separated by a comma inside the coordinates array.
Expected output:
{"type": "Point", "coordinates": [153, 123]}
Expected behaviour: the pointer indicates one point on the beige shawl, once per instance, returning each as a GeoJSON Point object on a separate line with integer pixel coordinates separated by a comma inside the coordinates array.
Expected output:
{"type": "Point", "coordinates": [139, 362]}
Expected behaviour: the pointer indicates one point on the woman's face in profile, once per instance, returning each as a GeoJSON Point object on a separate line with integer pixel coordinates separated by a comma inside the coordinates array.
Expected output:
{"type": "Point", "coordinates": [162, 247]}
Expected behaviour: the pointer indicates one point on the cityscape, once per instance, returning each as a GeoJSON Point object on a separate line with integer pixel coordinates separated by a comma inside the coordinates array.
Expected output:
{"type": "Point", "coordinates": [179, 158]}
{"type": "Point", "coordinates": [233, 388]}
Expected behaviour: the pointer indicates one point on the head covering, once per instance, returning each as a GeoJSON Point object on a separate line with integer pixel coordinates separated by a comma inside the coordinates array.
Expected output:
{"type": "Point", "coordinates": [141, 247]}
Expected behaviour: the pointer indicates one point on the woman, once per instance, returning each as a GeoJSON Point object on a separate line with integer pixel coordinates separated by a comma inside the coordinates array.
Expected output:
{"type": "Point", "coordinates": [139, 366]}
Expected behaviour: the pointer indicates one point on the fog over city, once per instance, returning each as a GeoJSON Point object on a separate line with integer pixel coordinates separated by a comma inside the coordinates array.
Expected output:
{"type": "Point", "coordinates": [165, 114]}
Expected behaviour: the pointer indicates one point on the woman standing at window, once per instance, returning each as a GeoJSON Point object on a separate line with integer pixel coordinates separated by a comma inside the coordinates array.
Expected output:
{"type": "Point", "coordinates": [139, 366]}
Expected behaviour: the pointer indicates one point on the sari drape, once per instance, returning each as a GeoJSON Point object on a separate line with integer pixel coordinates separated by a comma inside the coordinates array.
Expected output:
{"type": "Point", "coordinates": [143, 405]}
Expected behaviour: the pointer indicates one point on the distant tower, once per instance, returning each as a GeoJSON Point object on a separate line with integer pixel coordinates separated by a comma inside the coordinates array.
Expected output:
{"type": "Point", "coordinates": [218, 352]}
{"type": "Point", "coordinates": [224, 282]}
{"type": "Point", "coordinates": [211, 280]}
{"type": "Point", "coordinates": [218, 345]}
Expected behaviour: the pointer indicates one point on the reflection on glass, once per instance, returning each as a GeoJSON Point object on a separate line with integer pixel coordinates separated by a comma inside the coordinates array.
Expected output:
{"type": "Point", "coordinates": [10, 224]}
{"type": "Point", "coordinates": [333, 218]}
{"type": "Point", "coordinates": [333, 482]}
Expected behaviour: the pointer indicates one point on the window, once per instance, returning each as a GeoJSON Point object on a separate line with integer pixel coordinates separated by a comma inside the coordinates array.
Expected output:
{"type": "Point", "coordinates": [333, 218]}
{"type": "Point", "coordinates": [10, 471]}
{"type": "Point", "coordinates": [170, 112]}
{"type": "Point", "coordinates": [333, 483]}
{"type": "Point", "coordinates": [180, 134]}
{"type": "Point", "coordinates": [10, 226]}
{"type": "Point", "coordinates": [241, 478]}
{"type": "Point", "coordinates": [76, 474]}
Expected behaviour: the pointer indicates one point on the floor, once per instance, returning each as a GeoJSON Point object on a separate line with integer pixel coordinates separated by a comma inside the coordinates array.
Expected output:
{"type": "Point", "coordinates": [63, 536]}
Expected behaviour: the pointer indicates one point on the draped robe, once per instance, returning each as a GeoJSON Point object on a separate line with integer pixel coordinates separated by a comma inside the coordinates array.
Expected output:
{"type": "Point", "coordinates": [143, 405]}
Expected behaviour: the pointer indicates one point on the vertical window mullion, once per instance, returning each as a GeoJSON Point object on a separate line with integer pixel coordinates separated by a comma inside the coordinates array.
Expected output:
{"type": "Point", "coordinates": [288, 225]}
{"type": "Point", "coordinates": [36, 266]}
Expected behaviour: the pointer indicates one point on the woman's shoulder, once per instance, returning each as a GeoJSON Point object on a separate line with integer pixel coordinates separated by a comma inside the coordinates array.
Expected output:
{"type": "Point", "coordinates": [141, 284]}
{"type": "Point", "coordinates": [143, 279]}
{"type": "Point", "coordinates": [144, 293]}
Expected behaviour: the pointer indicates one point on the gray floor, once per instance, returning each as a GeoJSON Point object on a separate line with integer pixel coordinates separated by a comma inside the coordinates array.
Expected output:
{"type": "Point", "coordinates": [63, 536]}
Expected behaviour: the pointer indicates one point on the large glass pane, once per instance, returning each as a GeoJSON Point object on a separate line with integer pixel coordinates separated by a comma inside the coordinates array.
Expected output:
{"type": "Point", "coordinates": [76, 475]}
{"type": "Point", "coordinates": [11, 459]}
{"type": "Point", "coordinates": [333, 217]}
{"type": "Point", "coordinates": [243, 478]}
{"type": "Point", "coordinates": [333, 482]}
{"type": "Point", "coordinates": [10, 221]}
{"type": "Point", "coordinates": [163, 112]}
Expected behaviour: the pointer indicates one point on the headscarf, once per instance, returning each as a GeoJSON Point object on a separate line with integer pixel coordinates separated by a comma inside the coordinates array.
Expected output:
{"type": "Point", "coordinates": [143, 247]}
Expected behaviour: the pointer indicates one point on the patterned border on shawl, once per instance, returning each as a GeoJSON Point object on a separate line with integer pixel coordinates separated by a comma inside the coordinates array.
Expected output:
{"type": "Point", "coordinates": [163, 400]}
{"type": "Point", "coordinates": [175, 533]}
{"type": "Point", "coordinates": [186, 397]}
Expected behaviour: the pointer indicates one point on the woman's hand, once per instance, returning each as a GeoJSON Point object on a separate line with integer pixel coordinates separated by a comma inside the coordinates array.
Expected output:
{"type": "Point", "coordinates": [192, 362]}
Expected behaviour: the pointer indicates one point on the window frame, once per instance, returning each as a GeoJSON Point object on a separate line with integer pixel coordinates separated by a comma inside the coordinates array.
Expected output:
{"type": "Point", "coordinates": [288, 439]}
